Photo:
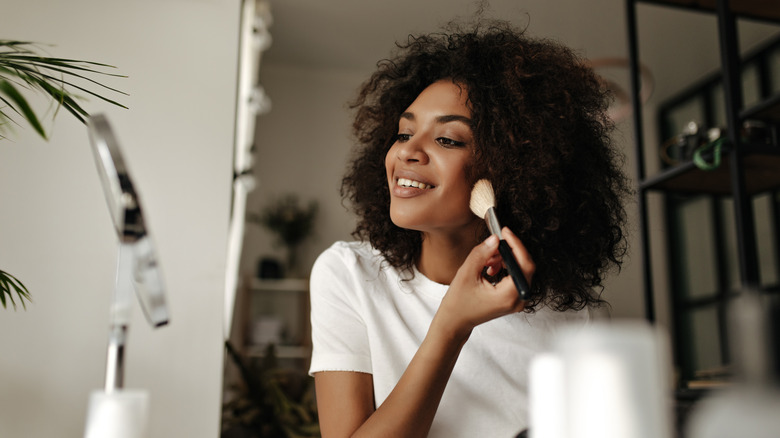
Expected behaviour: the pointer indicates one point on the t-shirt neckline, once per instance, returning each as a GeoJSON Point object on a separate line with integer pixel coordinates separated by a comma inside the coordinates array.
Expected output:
{"type": "Point", "coordinates": [423, 285]}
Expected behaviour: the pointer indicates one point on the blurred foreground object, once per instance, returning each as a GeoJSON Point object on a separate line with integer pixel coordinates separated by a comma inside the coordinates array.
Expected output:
{"type": "Point", "coordinates": [606, 380]}
{"type": "Point", "coordinates": [751, 406]}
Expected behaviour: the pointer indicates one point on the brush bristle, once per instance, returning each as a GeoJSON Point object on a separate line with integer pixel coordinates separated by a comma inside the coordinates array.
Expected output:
{"type": "Point", "coordinates": [482, 198]}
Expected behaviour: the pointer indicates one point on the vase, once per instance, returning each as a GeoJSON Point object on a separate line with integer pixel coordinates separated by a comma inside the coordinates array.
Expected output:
{"type": "Point", "coordinates": [291, 270]}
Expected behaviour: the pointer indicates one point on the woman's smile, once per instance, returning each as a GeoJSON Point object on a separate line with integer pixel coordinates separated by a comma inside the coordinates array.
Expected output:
{"type": "Point", "coordinates": [409, 184]}
{"type": "Point", "coordinates": [403, 182]}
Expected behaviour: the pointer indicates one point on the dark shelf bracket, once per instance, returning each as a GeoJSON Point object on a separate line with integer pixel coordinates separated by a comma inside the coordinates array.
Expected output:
{"type": "Point", "coordinates": [732, 87]}
{"type": "Point", "coordinates": [633, 56]}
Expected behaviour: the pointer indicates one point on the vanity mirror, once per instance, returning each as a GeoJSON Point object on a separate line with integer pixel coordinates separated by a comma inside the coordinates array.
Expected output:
{"type": "Point", "coordinates": [115, 412]}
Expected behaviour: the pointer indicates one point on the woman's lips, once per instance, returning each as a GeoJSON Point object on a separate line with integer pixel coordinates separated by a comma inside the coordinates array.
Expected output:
{"type": "Point", "coordinates": [409, 187]}
{"type": "Point", "coordinates": [405, 182]}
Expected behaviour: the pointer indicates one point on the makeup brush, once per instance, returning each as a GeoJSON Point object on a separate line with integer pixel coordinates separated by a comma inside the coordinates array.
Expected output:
{"type": "Point", "coordinates": [483, 204]}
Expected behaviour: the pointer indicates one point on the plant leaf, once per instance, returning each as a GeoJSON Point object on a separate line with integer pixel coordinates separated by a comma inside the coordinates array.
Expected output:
{"type": "Point", "coordinates": [22, 67]}
{"type": "Point", "coordinates": [20, 288]}
{"type": "Point", "coordinates": [32, 71]}
{"type": "Point", "coordinates": [60, 94]}
{"type": "Point", "coordinates": [8, 281]}
{"type": "Point", "coordinates": [22, 106]}
{"type": "Point", "coordinates": [66, 66]}
{"type": "Point", "coordinates": [65, 100]}
{"type": "Point", "coordinates": [9, 105]}
{"type": "Point", "coordinates": [5, 290]}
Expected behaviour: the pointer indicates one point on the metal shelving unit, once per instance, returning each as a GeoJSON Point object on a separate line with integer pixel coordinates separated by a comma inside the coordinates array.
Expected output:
{"type": "Point", "coordinates": [746, 169]}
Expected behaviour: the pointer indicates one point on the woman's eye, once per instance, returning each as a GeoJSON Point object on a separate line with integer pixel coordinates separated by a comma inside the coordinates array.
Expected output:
{"type": "Point", "coordinates": [402, 137]}
{"type": "Point", "coordinates": [450, 142]}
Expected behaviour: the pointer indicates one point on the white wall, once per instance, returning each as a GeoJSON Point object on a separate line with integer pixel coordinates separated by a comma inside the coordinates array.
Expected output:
{"type": "Point", "coordinates": [55, 232]}
{"type": "Point", "coordinates": [302, 147]}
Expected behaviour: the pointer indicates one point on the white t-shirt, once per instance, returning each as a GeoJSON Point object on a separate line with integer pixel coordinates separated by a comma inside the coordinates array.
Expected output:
{"type": "Point", "coordinates": [367, 318]}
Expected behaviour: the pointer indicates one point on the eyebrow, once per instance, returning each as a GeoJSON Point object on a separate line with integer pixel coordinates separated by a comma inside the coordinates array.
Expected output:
{"type": "Point", "coordinates": [442, 119]}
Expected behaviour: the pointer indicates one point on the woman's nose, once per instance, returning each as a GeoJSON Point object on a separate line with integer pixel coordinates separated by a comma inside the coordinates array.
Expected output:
{"type": "Point", "coordinates": [412, 150]}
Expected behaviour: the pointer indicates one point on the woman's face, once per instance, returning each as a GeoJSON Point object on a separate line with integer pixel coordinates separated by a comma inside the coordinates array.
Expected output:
{"type": "Point", "coordinates": [426, 166]}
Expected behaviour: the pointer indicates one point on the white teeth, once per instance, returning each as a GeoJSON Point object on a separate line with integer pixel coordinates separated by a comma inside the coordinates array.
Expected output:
{"type": "Point", "coordinates": [403, 182]}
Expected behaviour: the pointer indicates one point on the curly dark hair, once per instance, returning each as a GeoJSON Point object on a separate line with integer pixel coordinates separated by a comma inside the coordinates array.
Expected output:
{"type": "Point", "coordinates": [541, 135]}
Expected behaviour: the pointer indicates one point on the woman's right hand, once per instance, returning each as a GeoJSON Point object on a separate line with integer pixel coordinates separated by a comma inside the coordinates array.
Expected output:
{"type": "Point", "coordinates": [472, 299]}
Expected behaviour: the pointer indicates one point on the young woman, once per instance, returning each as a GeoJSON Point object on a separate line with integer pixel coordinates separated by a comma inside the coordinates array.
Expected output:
{"type": "Point", "coordinates": [416, 330]}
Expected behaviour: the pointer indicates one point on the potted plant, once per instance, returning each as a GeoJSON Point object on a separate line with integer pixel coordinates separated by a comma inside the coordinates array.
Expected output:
{"type": "Point", "coordinates": [23, 70]}
{"type": "Point", "coordinates": [290, 222]}
{"type": "Point", "coordinates": [269, 401]}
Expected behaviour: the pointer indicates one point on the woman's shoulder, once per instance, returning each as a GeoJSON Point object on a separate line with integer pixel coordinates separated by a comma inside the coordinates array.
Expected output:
{"type": "Point", "coordinates": [352, 255]}
{"type": "Point", "coordinates": [350, 269]}
{"type": "Point", "coordinates": [350, 250]}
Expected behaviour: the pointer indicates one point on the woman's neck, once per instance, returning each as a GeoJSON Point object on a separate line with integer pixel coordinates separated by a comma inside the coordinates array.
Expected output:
{"type": "Point", "coordinates": [442, 254]}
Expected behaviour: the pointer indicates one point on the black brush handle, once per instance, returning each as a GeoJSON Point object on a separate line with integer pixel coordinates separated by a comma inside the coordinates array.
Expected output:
{"type": "Point", "coordinates": [523, 289]}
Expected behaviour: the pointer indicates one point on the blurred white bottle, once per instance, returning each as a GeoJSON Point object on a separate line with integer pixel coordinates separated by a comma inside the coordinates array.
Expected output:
{"type": "Point", "coordinates": [614, 383]}
{"type": "Point", "coordinates": [750, 408]}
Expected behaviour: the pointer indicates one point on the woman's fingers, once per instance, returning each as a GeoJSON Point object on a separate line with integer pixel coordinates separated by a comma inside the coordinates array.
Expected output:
{"type": "Point", "coordinates": [494, 265]}
{"type": "Point", "coordinates": [481, 255]}
{"type": "Point", "coordinates": [471, 299]}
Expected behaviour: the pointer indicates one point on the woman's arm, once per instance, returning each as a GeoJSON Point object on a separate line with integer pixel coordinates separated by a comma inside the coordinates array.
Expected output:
{"type": "Point", "coordinates": [345, 399]}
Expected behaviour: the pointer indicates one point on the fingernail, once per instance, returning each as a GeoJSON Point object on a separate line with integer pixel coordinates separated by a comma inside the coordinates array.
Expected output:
{"type": "Point", "coordinates": [492, 240]}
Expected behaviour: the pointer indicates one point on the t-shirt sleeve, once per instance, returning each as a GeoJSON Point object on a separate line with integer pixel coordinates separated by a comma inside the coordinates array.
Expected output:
{"type": "Point", "coordinates": [339, 335]}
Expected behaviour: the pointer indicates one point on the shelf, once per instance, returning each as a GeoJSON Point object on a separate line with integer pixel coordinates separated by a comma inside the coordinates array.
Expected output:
{"type": "Point", "coordinates": [285, 299]}
{"type": "Point", "coordinates": [762, 173]}
{"type": "Point", "coordinates": [767, 110]}
{"type": "Point", "coordinates": [757, 9]}
{"type": "Point", "coordinates": [280, 285]}
{"type": "Point", "coordinates": [762, 164]}
{"type": "Point", "coordinates": [282, 351]}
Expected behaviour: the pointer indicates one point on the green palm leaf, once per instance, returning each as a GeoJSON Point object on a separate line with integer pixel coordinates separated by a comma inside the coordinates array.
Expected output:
{"type": "Point", "coordinates": [13, 99]}
{"type": "Point", "coordinates": [23, 69]}
{"type": "Point", "coordinates": [8, 282]}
